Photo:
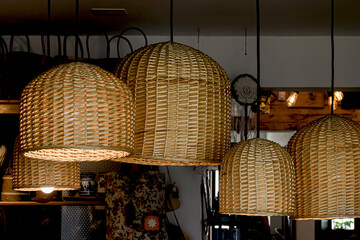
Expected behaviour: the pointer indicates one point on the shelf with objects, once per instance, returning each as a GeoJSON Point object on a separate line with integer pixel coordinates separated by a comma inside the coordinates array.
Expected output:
{"type": "Point", "coordinates": [52, 203]}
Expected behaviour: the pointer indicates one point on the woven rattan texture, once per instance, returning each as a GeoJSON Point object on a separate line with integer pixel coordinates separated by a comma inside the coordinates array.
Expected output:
{"type": "Point", "coordinates": [77, 112]}
{"type": "Point", "coordinates": [182, 100]}
{"type": "Point", "coordinates": [257, 178]}
{"type": "Point", "coordinates": [31, 174]}
{"type": "Point", "coordinates": [327, 165]}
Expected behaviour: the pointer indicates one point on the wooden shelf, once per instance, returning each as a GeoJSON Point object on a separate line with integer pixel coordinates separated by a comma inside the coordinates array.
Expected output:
{"type": "Point", "coordinates": [9, 106]}
{"type": "Point", "coordinates": [50, 203]}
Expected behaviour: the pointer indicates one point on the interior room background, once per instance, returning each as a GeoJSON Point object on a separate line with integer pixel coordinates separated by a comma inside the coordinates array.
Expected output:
{"type": "Point", "coordinates": [288, 63]}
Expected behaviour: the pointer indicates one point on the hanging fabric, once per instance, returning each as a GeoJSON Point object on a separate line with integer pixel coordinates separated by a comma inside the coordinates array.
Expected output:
{"type": "Point", "coordinates": [135, 206]}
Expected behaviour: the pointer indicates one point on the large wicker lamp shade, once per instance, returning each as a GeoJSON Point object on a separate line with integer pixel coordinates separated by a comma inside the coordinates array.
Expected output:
{"type": "Point", "coordinates": [257, 178]}
{"type": "Point", "coordinates": [327, 163]}
{"type": "Point", "coordinates": [183, 111]}
{"type": "Point", "coordinates": [31, 174]}
{"type": "Point", "coordinates": [76, 112]}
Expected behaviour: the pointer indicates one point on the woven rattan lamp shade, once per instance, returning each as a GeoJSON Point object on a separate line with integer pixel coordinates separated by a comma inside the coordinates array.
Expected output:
{"type": "Point", "coordinates": [327, 162]}
{"type": "Point", "coordinates": [183, 105]}
{"type": "Point", "coordinates": [76, 112]}
{"type": "Point", "coordinates": [33, 174]}
{"type": "Point", "coordinates": [257, 178]}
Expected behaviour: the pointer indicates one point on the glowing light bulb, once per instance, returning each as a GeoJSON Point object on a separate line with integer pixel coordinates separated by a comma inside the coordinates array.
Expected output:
{"type": "Point", "coordinates": [291, 100]}
{"type": "Point", "coordinates": [47, 189]}
{"type": "Point", "coordinates": [335, 103]}
{"type": "Point", "coordinates": [338, 95]}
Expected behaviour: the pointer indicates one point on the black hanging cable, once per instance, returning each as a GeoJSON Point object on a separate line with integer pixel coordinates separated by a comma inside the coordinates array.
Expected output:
{"type": "Point", "coordinates": [245, 42]}
{"type": "Point", "coordinates": [258, 66]}
{"type": "Point", "coordinates": [48, 28]}
{"type": "Point", "coordinates": [76, 29]}
{"type": "Point", "coordinates": [198, 38]}
{"type": "Point", "coordinates": [171, 20]}
{"type": "Point", "coordinates": [246, 123]}
{"type": "Point", "coordinates": [332, 58]}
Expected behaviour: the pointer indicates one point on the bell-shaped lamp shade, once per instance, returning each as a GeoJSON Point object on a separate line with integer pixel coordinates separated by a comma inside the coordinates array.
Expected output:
{"type": "Point", "coordinates": [327, 162]}
{"type": "Point", "coordinates": [30, 174]}
{"type": "Point", "coordinates": [76, 112]}
{"type": "Point", "coordinates": [257, 178]}
{"type": "Point", "coordinates": [183, 105]}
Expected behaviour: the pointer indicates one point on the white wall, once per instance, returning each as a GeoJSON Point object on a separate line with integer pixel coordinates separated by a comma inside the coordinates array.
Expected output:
{"type": "Point", "coordinates": [305, 230]}
{"type": "Point", "coordinates": [189, 213]}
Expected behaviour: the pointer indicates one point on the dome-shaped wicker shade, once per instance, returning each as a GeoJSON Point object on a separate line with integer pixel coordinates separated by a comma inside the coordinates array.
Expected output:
{"type": "Point", "coordinates": [182, 100]}
{"type": "Point", "coordinates": [257, 178]}
{"type": "Point", "coordinates": [327, 163]}
{"type": "Point", "coordinates": [31, 174]}
{"type": "Point", "coordinates": [76, 112]}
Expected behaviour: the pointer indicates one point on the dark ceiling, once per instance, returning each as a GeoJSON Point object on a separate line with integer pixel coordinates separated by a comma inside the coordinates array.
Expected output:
{"type": "Point", "coordinates": [212, 17]}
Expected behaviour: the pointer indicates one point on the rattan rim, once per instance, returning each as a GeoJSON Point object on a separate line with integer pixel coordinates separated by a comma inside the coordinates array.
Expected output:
{"type": "Point", "coordinates": [249, 213]}
{"type": "Point", "coordinates": [38, 188]}
{"type": "Point", "coordinates": [325, 217]}
{"type": "Point", "coordinates": [164, 161]}
{"type": "Point", "coordinates": [116, 152]}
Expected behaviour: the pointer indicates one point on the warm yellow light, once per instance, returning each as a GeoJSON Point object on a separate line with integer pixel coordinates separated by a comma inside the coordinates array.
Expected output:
{"type": "Point", "coordinates": [335, 103]}
{"type": "Point", "coordinates": [291, 100]}
{"type": "Point", "coordinates": [338, 95]}
{"type": "Point", "coordinates": [47, 189]}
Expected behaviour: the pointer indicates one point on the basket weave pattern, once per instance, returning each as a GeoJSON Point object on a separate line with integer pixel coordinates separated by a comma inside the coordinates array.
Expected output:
{"type": "Point", "coordinates": [257, 178]}
{"type": "Point", "coordinates": [77, 112]}
{"type": "Point", "coordinates": [327, 165]}
{"type": "Point", "coordinates": [32, 174]}
{"type": "Point", "coordinates": [182, 100]}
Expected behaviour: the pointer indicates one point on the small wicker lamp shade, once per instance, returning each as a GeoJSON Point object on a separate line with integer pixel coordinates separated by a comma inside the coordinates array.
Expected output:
{"type": "Point", "coordinates": [182, 100]}
{"type": "Point", "coordinates": [327, 162]}
{"type": "Point", "coordinates": [33, 174]}
{"type": "Point", "coordinates": [76, 112]}
{"type": "Point", "coordinates": [257, 178]}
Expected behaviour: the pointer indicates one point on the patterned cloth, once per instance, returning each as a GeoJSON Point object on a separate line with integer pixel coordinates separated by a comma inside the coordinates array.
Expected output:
{"type": "Point", "coordinates": [135, 208]}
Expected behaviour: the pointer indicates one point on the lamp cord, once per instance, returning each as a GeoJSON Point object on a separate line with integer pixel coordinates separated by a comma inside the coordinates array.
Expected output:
{"type": "Point", "coordinates": [258, 66]}
{"type": "Point", "coordinates": [332, 58]}
{"type": "Point", "coordinates": [198, 38]}
{"type": "Point", "coordinates": [76, 29]}
{"type": "Point", "coordinates": [48, 28]}
{"type": "Point", "coordinates": [171, 20]}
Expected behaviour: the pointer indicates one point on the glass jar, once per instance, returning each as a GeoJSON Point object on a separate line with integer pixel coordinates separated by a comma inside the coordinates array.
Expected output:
{"type": "Point", "coordinates": [87, 184]}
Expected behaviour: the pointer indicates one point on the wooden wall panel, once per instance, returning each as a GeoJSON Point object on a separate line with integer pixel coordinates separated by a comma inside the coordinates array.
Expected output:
{"type": "Point", "coordinates": [282, 117]}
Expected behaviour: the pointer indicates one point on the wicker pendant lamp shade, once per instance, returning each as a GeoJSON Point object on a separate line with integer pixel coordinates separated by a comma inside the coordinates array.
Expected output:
{"type": "Point", "coordinates": [327, 162]}
{"type": "Point", "coordinates": [257, 178]}
{"type": "Point", "coordinates": [182, 99]}
{"type": "Point", "coordinates": [76, 112]}
{"type": "Point", "coordinates": [31, 174]}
